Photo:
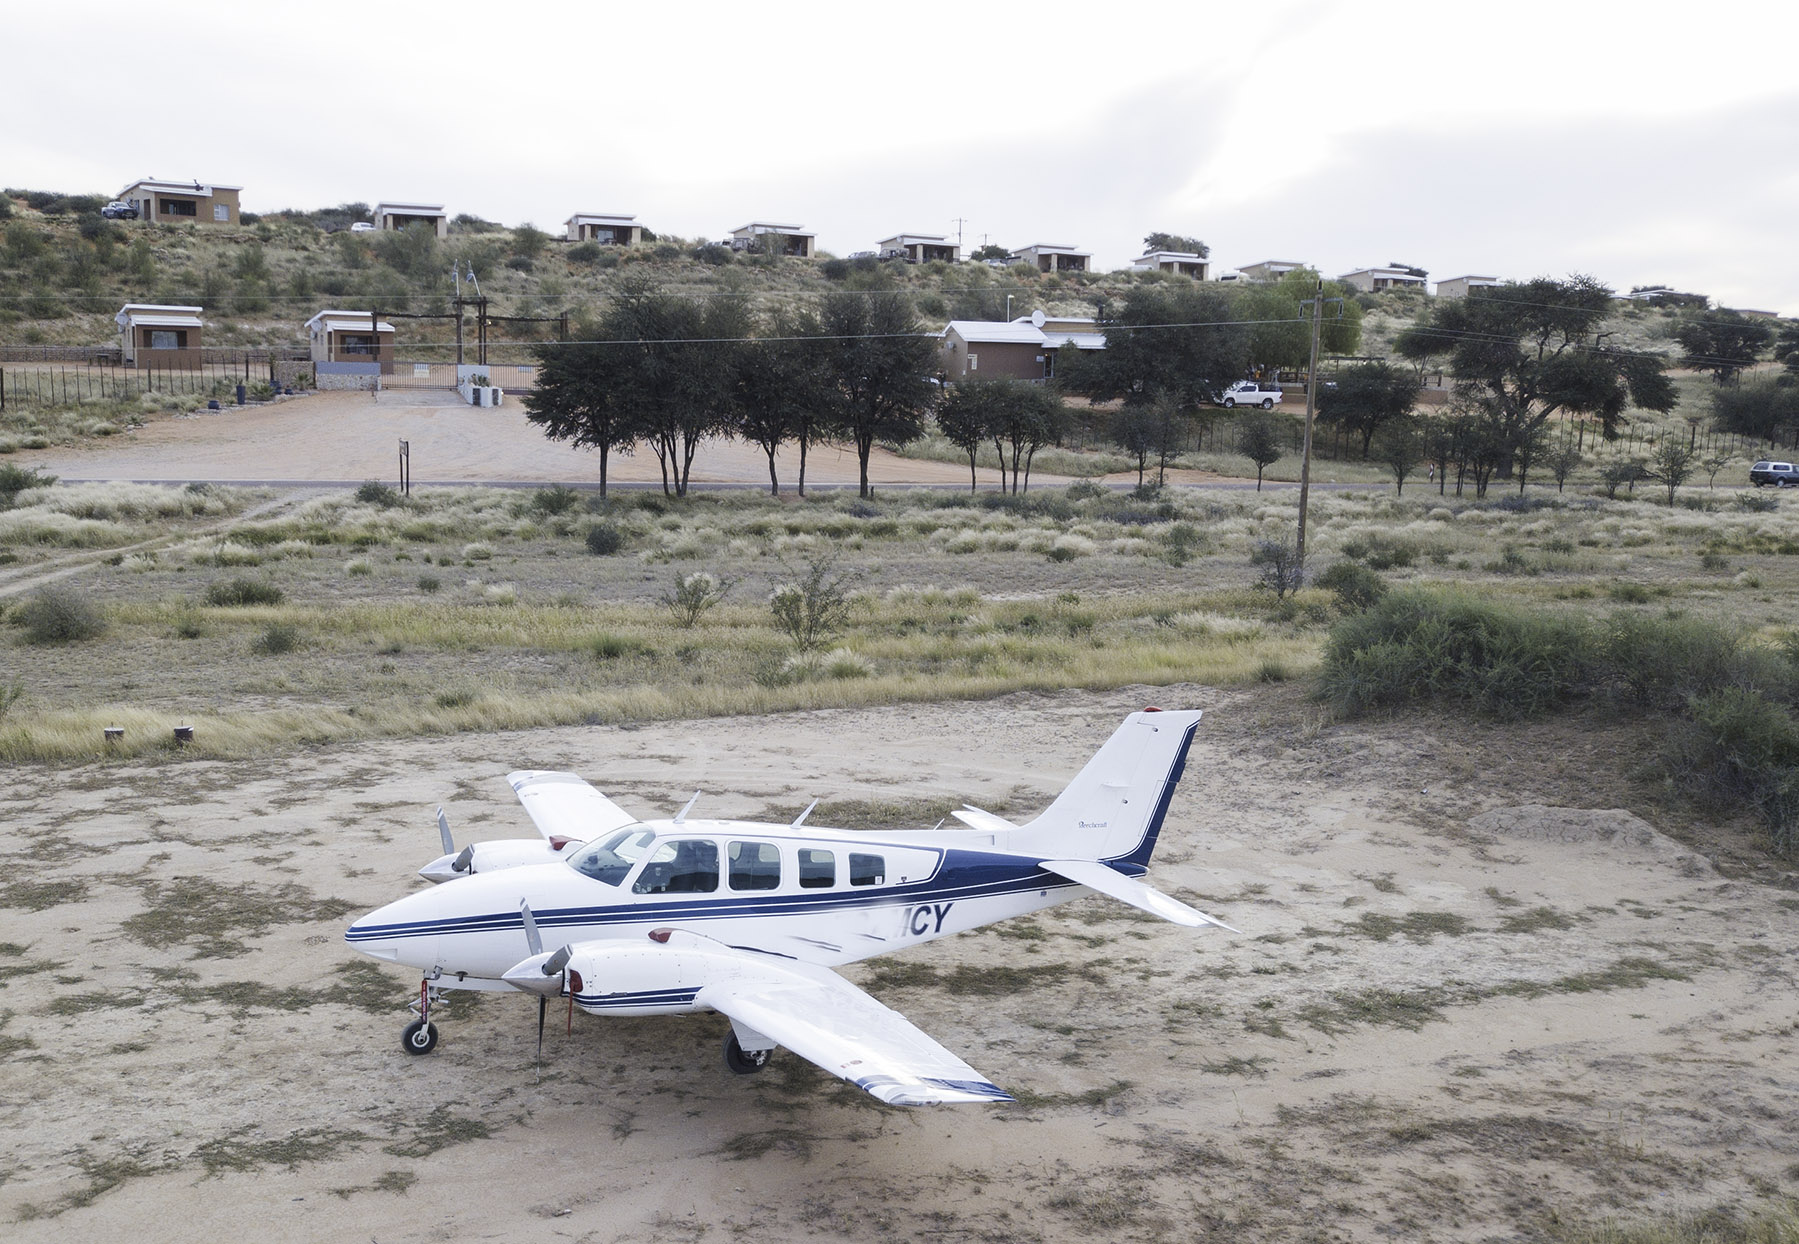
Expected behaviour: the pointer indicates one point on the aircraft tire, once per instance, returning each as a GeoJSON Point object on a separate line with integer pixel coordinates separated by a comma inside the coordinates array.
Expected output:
{"type": "Point", "coordinates": [743, 1062]}
{"type": "Point", "coordinates": [419, 1037]}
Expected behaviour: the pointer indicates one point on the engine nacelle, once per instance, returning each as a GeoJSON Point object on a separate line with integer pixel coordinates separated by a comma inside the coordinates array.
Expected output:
{"type": "Point", "coordinates": [492, 857]}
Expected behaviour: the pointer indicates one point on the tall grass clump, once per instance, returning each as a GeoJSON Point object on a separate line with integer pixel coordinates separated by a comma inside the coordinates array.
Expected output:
{"type": "Point", "coordinates": [58, 615]}
{"type": "Point", "coordinates": [240, 591]}
{"type": "Point", "coordinates": [1435, 647]}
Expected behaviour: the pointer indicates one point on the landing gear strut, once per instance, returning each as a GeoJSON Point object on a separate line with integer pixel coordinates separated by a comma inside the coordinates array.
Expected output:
{"type": "Point", "coordinates": [741, 1061]}
{"type": "Point", "coordinates": [420, 1036]}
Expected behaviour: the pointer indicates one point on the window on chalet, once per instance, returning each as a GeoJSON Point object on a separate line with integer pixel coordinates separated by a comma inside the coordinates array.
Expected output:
{"type": "Point", "coordinates": [180, 207]}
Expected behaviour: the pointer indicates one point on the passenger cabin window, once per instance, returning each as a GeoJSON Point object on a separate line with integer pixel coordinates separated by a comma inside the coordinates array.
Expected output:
{"type": "Point", "coordinates": [755, 865]}
{"type": "Point", "coordinates": [686, 866]}
{"type": "Point", "coordinates": [818, 869]}
{"type": "Point", "coordinates": [612, 860]}
{"type": "Point", "coordinates": [867, 869]}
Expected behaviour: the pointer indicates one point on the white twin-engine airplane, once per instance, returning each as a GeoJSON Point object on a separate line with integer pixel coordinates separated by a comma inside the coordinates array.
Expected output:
{"type": "Point", "coordinates": [747, 919]}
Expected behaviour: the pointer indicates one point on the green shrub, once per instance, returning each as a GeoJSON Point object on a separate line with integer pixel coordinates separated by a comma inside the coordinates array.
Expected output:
{"type": "Point", "coordinates": [603, 539]}
{"type": "Point", "coordinates": [814, 607]}
{"type": "Point", "coordinates": [1381, 552]}
{"type": "Point", "coordinates": [1739, 747]}
{"type": "Point", "coordinates": [557, 499]}
{"type": "Point", "coordinates": [15, 480]}
{"type": "Point", "coordinates": [693, 595]}
{"type": "Point", "coordinates": [240, 591]}
{"type": "Point", "coordinates": [60, 615]}
{"type": "Point", "coordinates": [1085, 490]}
{"type": "Point", "coordinates": [277, 638]}
{"type": "Point", "coordinates": [609, 647]}
{"type": "Point", "coordinates": [374, 492]}
{"type": "Point", "coordinates": [1451, 648]}
{"type": "Point", "coordinates": [1357, 587]}
{"type": "Point", "coordinates": [429, 583]}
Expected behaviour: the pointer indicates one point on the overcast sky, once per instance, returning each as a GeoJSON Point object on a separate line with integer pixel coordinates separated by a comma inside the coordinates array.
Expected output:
{"type": "Point", "coordinates": [1639, 142]}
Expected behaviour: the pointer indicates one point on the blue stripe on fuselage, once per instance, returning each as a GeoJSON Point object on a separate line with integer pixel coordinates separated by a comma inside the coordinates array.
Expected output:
{"type": "Point", "coordinates": [963, 875]}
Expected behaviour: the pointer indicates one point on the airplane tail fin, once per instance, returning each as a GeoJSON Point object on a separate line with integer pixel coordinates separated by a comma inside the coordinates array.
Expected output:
{"type": "Point", "coordinates": [1113, 810]}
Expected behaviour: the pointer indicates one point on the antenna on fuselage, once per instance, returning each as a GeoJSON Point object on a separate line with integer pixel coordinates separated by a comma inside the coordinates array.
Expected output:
{"type": "Point", "coordinates": [688, 807]}
{"type": "Point", "coordinates": [801, 818]}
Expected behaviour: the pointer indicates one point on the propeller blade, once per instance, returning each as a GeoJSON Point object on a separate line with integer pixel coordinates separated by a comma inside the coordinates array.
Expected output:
{"type": "Point", "coordinates": [555, 963]}
{"type": "Point", "coordinates": [543, 1004]}
{"type": "Point", "coordinates": [531, 936]}
{"type": "Point", "coordinates": [801, 818]}
{"type": "Point", "coordinates": [688, 807]}
{"type": "Point", "coordinates": [443, 831]}
{"type": "Point", "coordinates": [464, 862]}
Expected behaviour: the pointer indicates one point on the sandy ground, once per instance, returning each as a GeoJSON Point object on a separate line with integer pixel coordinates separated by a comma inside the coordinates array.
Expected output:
{"type": "Point", "coordinates": [347, 437]}
{"type": "Point", "coordinates": [1454, 1009]}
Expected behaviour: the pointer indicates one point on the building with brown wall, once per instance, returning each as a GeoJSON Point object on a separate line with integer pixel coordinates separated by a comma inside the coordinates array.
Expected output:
{"type": "Point", "coordinates": [604, 229]}
{"type": "Point", "coordinates": [391, 217]}
{"type": "Point", "coordinates": [177, 202]}
{"type": "Point", "coordinates": [151, 335]}
{"type": "Point", "coordinates": [351, 337]}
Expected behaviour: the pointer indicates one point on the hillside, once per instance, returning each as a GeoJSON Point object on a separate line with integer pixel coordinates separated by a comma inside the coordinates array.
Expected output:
{"type": "Point", "coordinates": [65, 271]}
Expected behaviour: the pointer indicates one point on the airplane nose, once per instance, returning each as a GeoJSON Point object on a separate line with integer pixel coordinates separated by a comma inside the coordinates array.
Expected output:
{"type": "Point", "coordinates": [391, 934]}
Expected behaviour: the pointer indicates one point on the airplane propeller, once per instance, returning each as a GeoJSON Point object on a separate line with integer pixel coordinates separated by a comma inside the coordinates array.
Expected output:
{"type": "Point", "coordinates": [552, 968]}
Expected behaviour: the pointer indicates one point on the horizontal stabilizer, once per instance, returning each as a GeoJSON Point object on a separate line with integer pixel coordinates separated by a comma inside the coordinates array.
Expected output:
{"type": "Point", "coordinates": [1113, 884]}
{"type": "Point", "coordinates": [561, 805]}
{"type": "Point", "coordinates": [986, 822]}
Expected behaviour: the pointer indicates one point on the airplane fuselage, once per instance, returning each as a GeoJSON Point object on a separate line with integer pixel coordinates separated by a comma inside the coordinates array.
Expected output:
{"type": "Point", "coordinates": [901, 890]}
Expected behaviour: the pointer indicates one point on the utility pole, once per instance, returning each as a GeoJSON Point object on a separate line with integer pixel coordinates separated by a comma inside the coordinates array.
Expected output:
{"type": "Point", "coordinates": [456, 271]}
{"type": "Point", "coordinates": [959, 222]}
{"type": "Point", "coordinates": [1305, 459]}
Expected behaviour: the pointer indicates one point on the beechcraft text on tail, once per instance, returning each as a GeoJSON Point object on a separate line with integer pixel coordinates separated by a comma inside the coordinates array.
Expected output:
{"type": "Point", "coordinates": [667, 917]}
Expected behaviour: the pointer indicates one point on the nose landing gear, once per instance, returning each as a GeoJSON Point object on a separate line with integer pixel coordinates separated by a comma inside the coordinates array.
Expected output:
{"type": "Point", "coordinates": [420, 1036]}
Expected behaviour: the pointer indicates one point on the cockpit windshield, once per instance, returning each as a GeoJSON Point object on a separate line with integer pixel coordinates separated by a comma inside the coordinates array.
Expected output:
{"type": "Point", "coordinates": [611, 859]}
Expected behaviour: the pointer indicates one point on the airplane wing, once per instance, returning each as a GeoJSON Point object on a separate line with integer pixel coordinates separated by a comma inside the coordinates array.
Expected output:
{"type": "Point", "coordinates": [826, 1020]}
{"type": "Point", "coordinates": [1114, 884]}
{"type": "Point", "coordinates": [563, 806]}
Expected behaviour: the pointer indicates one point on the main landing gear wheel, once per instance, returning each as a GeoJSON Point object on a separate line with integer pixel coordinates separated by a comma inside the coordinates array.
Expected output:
{"type": "Point", "coordinates": [419, 1037]}
{"type": "Point", "coordinates": [741, 1061]}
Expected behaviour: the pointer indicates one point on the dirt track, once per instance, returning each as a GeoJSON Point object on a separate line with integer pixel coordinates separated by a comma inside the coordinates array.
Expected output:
{"type": "Point", "coordinates": [339, 437]}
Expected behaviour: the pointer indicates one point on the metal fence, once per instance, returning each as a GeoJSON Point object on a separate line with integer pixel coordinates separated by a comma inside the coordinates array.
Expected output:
{"type": "Point", "coordinates": [48, 384]}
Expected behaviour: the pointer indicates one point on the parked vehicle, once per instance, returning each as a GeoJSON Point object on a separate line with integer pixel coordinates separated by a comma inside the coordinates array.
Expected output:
{"type": "Point", "coordinates": [362, 226]}
{"type": "Point", "coordinates": [1779, 474]}
{"type": "Point", "coordinates": [1250, 393]}
{"type": "Point", "coordinates": [119, 209]}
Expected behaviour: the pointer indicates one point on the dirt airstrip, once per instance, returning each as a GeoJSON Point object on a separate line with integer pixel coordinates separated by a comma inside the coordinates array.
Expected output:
{"type": "Point", "coordinates": [1471, 997]}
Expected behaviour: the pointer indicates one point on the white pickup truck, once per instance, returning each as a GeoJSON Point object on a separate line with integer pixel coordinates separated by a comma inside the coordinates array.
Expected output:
{"type": "Point", "coordinates": [1250, 393]}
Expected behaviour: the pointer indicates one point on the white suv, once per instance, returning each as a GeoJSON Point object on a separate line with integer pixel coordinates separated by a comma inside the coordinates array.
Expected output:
{"type": "Point", "coordinates": [1250, 393]}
